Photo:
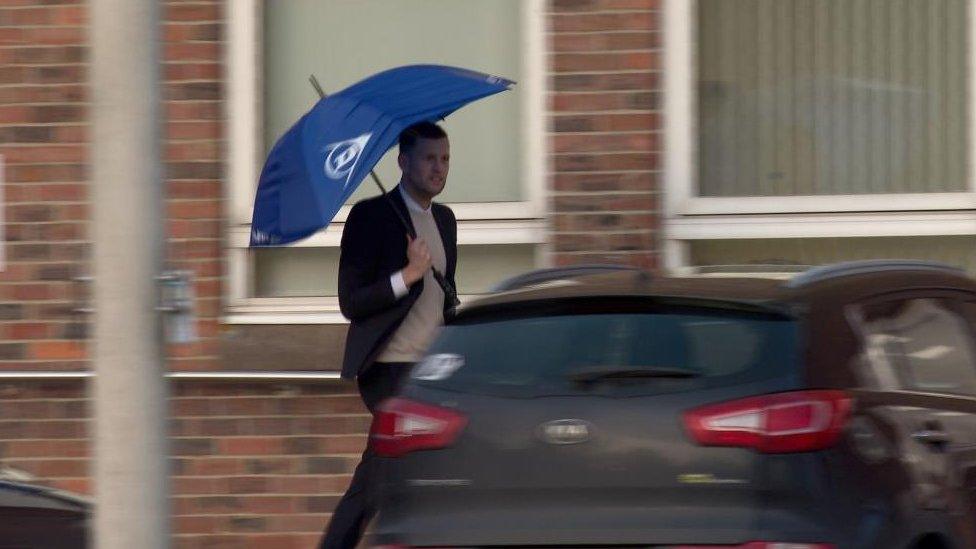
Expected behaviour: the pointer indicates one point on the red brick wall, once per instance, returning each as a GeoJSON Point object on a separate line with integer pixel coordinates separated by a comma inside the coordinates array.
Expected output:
{"type": "Point", "coordinates": [254, 465]}
{"type": "Point", "coordinates": [261, 465]}
{"type": "Point", "coordinates": [43, 139]}
{"type": "Point", "coordinates": [44, 433]}
{"type": "Point", "coordinates": [605, 106]}
{"type": "Point", "coordinates": [44, 132]}
{"type": "Point", "coordinates": [193, 90]}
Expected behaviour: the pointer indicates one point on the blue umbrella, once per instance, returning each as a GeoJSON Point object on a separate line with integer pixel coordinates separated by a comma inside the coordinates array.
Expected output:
{"type": "Point", "coordinates": [314, 168]}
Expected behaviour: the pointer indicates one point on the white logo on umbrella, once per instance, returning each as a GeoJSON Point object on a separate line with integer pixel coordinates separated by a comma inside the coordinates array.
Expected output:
{"type": "Point", "coordinates": [343, 156]}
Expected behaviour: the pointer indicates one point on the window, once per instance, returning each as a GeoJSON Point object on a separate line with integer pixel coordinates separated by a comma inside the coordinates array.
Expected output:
{"type": "Point", "coordinates": [497, 173]}
{"type": "Point", "coordinates": [918, 344]}
{"type": "Point", "coordinates": [801, 97]}
{"type": "Point", "coordinates": [817, 119]}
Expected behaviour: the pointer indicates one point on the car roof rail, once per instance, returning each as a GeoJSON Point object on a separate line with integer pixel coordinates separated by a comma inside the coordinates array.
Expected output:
{"type": "Point", "coordinates": [748, 269]}
{"type": "Point", "coordinates": [541, 276]}
{"type": "Point", "coordinates": [848, 268]}
{"type": "Point", "coordinates": [32, 490]}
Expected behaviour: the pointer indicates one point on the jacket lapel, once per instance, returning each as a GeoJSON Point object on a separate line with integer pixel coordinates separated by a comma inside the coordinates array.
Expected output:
{"type": "Point", "coordinates": [401, 206]}
{"type": "Point", "coordinates": [443, 221]}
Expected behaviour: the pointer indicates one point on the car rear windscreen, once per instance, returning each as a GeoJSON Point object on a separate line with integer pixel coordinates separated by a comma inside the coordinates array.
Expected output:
{"type": "Point", "coordinates": [616, 354]}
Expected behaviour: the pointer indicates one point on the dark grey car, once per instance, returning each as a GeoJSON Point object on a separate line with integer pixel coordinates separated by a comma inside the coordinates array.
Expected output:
{"type": "Point", "coordinates": [835, 410]}
{"type": "Point", "coordinates": [34, 517]}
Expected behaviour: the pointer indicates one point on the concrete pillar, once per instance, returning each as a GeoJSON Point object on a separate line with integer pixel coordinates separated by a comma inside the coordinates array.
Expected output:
{"type": "Point", "coordinates": [130, 467]}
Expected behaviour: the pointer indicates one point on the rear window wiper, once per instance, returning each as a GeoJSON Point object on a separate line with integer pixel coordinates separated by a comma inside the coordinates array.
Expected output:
{"type": "Point", "coordinates": [586, 374]}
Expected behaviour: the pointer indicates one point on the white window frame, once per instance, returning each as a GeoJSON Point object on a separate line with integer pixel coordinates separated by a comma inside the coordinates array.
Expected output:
{"type": "Point", "coordinates": [520, 222]}
{"type": "Point", "coordinates": [692, 217]}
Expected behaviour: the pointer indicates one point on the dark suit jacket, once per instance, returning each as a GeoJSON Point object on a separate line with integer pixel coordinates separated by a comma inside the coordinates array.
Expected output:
{"type": "Point", "coordinates": [374, 246]}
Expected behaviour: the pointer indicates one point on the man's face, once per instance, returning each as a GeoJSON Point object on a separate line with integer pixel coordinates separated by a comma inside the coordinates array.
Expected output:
{"type": "Point", "coordinates": [425, 167]}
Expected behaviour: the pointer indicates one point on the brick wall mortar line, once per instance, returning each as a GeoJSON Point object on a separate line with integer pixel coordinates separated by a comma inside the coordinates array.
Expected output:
{"type": "Point", "coordinates": [601, 33]}
{"type": "Point", "coordinates": [606, 233]}
{"type": "Point", "coordinates": [256, 417]}
{"type": "Point", "coordinates": [48, 203]}
{"type": "Point", "coordinates": [604, 212]}
{"type": "Point", "coordinates": [40, 302]}
{"type": "Point", "coordinates": [602, 172]}
{"type": "Point", "coordinates": [208, 398]}
{"type": "Point", "coordinates": [587, 93]}
{"type": "Point", "coordinates": [606, 193]}
{"type": "Point", "coordinates": [85, 420]}
{"type": "Point", "coordinates": [15, 85]}
{"type": "Point", "coordinates": [604, 52]}
{"type": "Point", "coordinates": [252, 475]}
{"type": "Point", "coordinates": [604, 152]}
{"type": "Point", "coordinates": [72, 262]}
{"type": "Point", "coordinates": [18, 459]}
{"type": "Point", "coordinates": [30, 164]}
{"type": "Point", "coordinates": [603, 133]}
{"type": "Point", "coordinates": [554, 13]}
{"type": "Point", "coordinates": [605, 31]}
{"type": "Point", "coordinates": [608, 252]}
{"type": "Point", "coordinates": [604, 113]}
{"type": "Point", "coordinates": [51, 242]}
{"type": "Point", "coordinates": [263, 437]}
{"type": "Point", "coordinates": [46, 124]}
{"type": "Point", "coordinates": [575, 213]}
{"type": "Point", "coordinates": [48, 65]}
{"type": "Point", "coordinates": [65, 440]}
{"type": "Point", "coordinates": [35, 46]}
{"type": "Point", "coordinates": [552, 73]}
{"type": "Point", "coordinates": [255, 514]}
{"type": "Point", "coordinates": [190, 81]}
{"type": "Point", "coordinates": [52, 26]}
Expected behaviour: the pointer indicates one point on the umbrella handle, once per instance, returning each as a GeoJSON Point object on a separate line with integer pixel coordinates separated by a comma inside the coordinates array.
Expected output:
{"type": "Point", "coordinates": [449, 291]}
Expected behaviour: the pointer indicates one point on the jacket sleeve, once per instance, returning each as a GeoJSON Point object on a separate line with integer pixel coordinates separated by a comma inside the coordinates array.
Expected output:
{"type": "Point", "coordinates": [363, 291]}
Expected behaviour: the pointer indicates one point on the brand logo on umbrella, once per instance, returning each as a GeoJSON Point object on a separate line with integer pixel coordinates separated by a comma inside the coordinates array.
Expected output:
{"type": "Point", "coordinates": [342, 157]}
{"type": "Point", "coordinates": [262, 238]}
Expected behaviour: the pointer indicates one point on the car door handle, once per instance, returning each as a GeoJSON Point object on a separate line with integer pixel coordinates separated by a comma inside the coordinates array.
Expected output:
{"type": "Point", "coordinates": [932, 436]}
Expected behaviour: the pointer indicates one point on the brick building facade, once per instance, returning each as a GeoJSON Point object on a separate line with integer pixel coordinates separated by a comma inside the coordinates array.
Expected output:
{"type": "Point", "coordinates": [261, 463]}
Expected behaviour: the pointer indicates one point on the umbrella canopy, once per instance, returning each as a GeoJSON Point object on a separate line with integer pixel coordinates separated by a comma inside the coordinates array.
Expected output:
{"type": "Point", "coordinates": [318, 163]}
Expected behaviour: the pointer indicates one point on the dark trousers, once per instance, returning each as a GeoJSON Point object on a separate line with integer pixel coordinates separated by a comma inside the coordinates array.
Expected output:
{"type": "Point", "coordinates": [379, 382]}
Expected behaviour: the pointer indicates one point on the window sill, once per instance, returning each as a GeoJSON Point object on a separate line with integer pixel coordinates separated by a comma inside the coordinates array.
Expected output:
{"type": "Point", "coordinates": [518, 231]}
{"type": "Point", "coordinates": [822, 225]}
{"type": "Point", "coordinates": [827, 204]}
{"type": "Point", "coordinates": [293, 310]}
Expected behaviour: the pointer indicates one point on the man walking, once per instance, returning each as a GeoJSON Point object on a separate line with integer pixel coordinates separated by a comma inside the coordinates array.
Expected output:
{"type": "Point", "coordinates": [388, 292]}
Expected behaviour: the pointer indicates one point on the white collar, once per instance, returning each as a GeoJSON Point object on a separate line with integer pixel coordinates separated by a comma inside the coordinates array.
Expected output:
{"type": "Point", "coordinates": [411, 203]}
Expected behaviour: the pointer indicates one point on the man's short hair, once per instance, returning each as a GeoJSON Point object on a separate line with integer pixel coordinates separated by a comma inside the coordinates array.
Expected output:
{"type": "Point", "coordinates": [420, 130]}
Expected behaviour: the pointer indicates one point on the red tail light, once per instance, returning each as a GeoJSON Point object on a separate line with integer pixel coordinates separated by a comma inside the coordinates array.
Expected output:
{"type": "Point", "coordinates": [402, 426]}
{"type": "Point", "coordinates": [800, 421]}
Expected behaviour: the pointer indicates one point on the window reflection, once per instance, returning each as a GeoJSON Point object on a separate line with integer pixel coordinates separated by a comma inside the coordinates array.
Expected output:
{"type": "Point", "coordinates": [917, 344]}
